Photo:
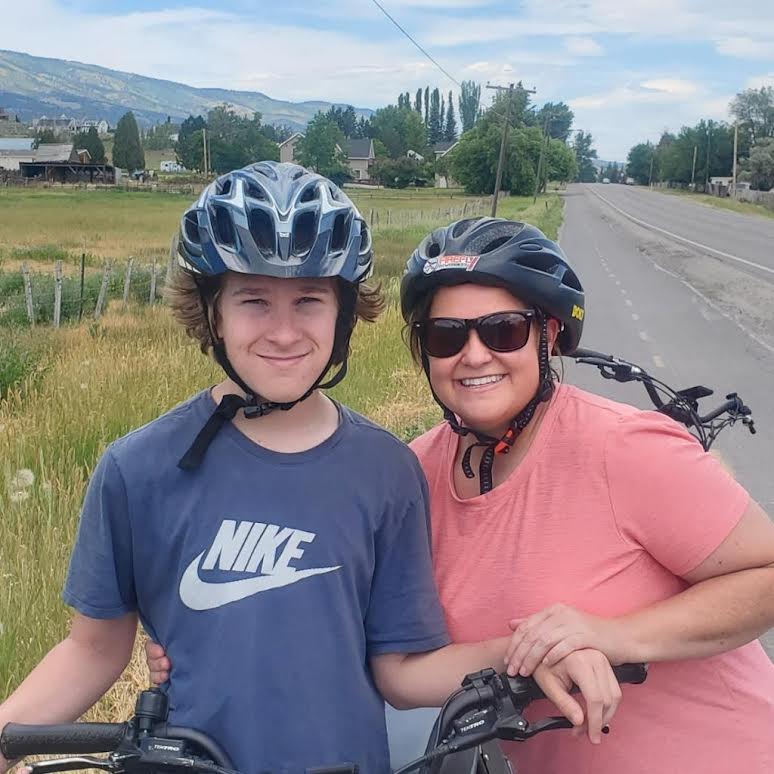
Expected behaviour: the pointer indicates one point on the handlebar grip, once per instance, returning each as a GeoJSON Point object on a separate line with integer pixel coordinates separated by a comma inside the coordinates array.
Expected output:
{"type": "Point", "coordinates": [631, 673]}
{"type": "Point", "coordinates": [18, 741]}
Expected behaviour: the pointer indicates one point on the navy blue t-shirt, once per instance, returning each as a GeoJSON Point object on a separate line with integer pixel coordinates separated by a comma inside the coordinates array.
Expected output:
{"type": "Point", "coordinates": [269, 578]}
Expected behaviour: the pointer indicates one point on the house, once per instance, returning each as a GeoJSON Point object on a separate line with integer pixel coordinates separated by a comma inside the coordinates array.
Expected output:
{"type": "Point", "coordinates": [287, 149]}
{"type": "Point", "coordinates": [171, 166]}
{"type": "Point", "coordinates": [4, 115]}
{"type": "Point", "coordinates": [360, 157]}
{"type": "Point", "coordinates": [101, 125]}
{"type": "Point", "coordinates": [441, 150]}
{"type": "Point", "coordinates": [14, 150]}
{"type": "Point", "coordinates": [62, 125]}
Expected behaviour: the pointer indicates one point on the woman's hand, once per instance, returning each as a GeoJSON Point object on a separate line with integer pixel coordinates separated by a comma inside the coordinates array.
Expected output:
{"type": "Point", "coordinates": [552, 634]}
{"type": "Point", "coordinates": [158, 663]}
{"type": "Point", "coordinates": [592, 673]}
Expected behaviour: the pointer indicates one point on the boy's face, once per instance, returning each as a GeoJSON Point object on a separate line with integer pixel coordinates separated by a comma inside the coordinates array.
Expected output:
{"type": "Point", "coordinates": [278, 333]}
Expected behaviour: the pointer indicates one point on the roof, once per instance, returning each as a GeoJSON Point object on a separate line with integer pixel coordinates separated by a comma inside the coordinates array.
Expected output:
{"type": "Point", "coordinates": [291, 138]}
{"type": "Point", "coordinates": [16, 143]}
{"type": "Point", "coordinates": [360, 149]}
{"type": "Point", "coordinates": [53, 152]}
{"type": "Point", "coordinates": [442, 148]}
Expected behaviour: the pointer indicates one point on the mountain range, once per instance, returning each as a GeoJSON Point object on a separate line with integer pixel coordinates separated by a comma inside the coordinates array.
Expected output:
{"type": "Point", "coordinates": [33, 86]}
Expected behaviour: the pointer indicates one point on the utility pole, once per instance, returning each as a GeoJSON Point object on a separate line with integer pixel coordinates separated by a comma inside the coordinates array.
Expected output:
{"type": "Point", "coordinates": [650, 174]}
{"type": "Point", "coordinates": [736, 142]}
{"type": "Point", "coordinates": [707, 166]}
{"type": "Point", "coordinates": [504, 139]}
{"type": "Point", "coordinates": [204, 151]}
{"type": "Point", "coordinates": [693, 168]}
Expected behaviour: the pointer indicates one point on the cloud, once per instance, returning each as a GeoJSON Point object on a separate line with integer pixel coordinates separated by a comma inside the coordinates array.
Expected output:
{"type": "Point", "coordinates": [583, 46]}
{"type": "Point", "coordinates": [674, 86]}
{"type": "Point", "coordinates": [746, 48]}
{"type": "Point", "coordinates": [760, 81]}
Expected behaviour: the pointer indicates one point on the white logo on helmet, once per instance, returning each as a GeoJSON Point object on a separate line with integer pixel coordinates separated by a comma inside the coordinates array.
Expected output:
{"type": "Point", "coordinates": [466, 262]}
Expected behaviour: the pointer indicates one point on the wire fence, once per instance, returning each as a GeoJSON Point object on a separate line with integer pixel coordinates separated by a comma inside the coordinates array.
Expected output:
{"type": "Point", "coordinates": [36, 298]}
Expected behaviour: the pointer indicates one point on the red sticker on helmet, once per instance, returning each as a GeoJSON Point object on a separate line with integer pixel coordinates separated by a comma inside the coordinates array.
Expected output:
{"type": "Point", "coordinates": [466, 262]}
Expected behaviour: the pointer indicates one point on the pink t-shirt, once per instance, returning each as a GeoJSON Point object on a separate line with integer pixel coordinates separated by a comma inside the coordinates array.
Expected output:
{"type": "Point", "coordinates": [610, 506]}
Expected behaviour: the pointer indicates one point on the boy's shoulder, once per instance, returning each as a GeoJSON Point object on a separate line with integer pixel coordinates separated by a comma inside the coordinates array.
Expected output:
{"type": "Point", "coordinates": [167, 435]}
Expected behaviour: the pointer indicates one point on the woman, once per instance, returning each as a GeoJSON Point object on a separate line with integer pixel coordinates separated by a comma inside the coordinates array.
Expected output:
{"type": "Point", "coordinates": [590, 523]}
{"type": "Point", "coordinates": [250, 522]}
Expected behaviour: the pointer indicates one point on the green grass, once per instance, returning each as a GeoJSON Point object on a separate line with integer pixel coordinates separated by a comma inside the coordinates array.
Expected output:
{"type": "Point", "coordinates": [722, 203]}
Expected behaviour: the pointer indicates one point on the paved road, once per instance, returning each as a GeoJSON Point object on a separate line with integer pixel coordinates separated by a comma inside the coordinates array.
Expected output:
{"type": "Point", "coordinates": [687, 315]}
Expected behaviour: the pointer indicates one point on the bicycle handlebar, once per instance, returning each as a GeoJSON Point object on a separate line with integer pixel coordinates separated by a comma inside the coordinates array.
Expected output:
{"type": "Point", "coordinates": [681, 405]}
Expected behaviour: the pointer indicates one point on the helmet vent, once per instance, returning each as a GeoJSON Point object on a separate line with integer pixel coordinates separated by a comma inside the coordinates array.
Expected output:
{"type": "Point", "coordinates": [224, 227]}
{"type": "Point", "coordinates": [365, 242]}
{"type": "Point", "coordinates": [253, 191]}
{"type": "Point", "coordinates": [262, 231]}
{"type": "Point", "coordinates": [310, 194]}
{"type": "Point", "coordinates": [463, 225]}
{"type": "Point", "coordinates": [433, 250]}
{"type": "Point", "coordinates": [340, 232]}
{"type": "Point", "coordinates": [304, 230]}
{"type": "Point", "coordinates": [495, 243]}
{"type": "Point", "coordinates": [191, 226]}
{"type": "Point", "coordinates": [223, 187]}
{"type": "Point", "coordinates": [298, 173]}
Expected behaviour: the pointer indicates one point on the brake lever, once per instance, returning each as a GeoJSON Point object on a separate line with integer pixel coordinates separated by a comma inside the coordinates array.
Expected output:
{"type": "Point", "coordinates": [516, 729]}
{"type": "Point", "coordinates": [76, 763]}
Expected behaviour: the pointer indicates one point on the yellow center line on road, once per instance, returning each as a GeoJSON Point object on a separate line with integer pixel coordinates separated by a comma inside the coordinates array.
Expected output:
{"type": "Point", "coordinates": [681, 238]}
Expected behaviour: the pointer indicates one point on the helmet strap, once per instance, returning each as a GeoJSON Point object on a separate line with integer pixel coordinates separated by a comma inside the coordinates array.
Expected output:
{"type": "Point", "coordinates": [491, 445]}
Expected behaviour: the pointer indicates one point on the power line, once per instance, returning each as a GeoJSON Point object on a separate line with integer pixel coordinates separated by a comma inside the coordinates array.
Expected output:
{"type": "Point", "coordinates": [384, 11]}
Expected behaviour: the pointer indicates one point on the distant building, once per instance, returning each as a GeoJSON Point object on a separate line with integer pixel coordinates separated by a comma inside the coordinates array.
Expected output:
{"type": "Point", "coordinates": [171, 166]}
{"type": "Point", "coordinates": [4, 115]}
{"type": "Point", "coordinates": [287, 149]}
{"type": "Point", "coordinates": [61, 163]}
{"type": "Point", "coordinates": [62, 125]}
{"type": "Point", "coordinates": [101, 125]}
{"type": "Point", "coordinates": [441, 149]}
{"type": "Point", "coordinates": [360, 157]}
{"type": "Point", "coordinates": [14, 150]}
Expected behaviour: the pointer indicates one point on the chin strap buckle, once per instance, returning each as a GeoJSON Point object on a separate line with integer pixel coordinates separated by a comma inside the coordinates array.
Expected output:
{"type": "Point", "coordinates": [504, 445]}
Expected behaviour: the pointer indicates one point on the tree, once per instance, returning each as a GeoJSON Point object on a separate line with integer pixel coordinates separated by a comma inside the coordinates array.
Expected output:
{"type": "Point", "coordinates": [418, 101]}
{"type": "Point", "coordinates": [90, 141]}
{"type": "Point", "coordinates": [638, 162]}
{"type": "Point", "coordinates": [235, 141]}
{"type": "Point", "coordinates": [401, 172]}
{"type": "Point", "coordinates": [43, 137]}
{"type": "Point", "coordinates": [189, 143]}
{"type": "Point", "coordinates": [761, 164]}
{"type": "Point", "coordinates": [754, 110]}
{"type": "Point", "coordinates": [584, 157]}
{"type": "Point", "coordinates": [434, 119]}
{"type": "Point", "coordinates": [427, 105]}
{"type": "Point", "coordinates": [442, 120]}
{"type": "Point", "coordinates": [321, 148]}
{"type": "Point", "coordinates": [346, 119]}
{"type": "Point", "coordinates": [127, 149]}
{"type": "Point", "coordinates": [276, 132]}
{"type": "Point", "coordinates": [469, 104]}
{"type": "Point", "coordinates": [158, 136]}
{"type": "Point", "coordinates": [560, 162]}
{"type": "Point", "coordinates": [450, 132]}
{"type": "Point", "coordinates": [560, 119]}
{"type": "Point", "coordinates": [399, 129]}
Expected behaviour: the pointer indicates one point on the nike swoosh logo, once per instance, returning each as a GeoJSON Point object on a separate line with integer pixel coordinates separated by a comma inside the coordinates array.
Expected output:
{"type": "Point", "coordinates": [200, 595]}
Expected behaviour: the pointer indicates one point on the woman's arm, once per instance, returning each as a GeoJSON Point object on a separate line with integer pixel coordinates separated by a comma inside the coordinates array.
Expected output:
{"type": "Point", "coordinates": [74, 674]}
{"type": "Point", "coordinates": [730, 603]}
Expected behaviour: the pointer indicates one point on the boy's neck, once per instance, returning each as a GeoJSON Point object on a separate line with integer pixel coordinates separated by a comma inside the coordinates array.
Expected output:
{"type": "Point", "coordinates": [303, 427]}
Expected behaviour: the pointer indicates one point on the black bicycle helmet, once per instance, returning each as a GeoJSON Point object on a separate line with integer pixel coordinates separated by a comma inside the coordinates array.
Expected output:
{"type": "Point", "coordinates": [275, 220]}
{"type": "Point", "coordinates": [505, 253]}
{"type": "Point", "coordinates": [515, 256]}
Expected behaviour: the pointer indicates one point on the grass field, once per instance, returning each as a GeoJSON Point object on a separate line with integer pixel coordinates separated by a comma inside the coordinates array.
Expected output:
{"type": "Point", "coordinates": [724, 203]}
{"type": "Point", "coordinates": [70, 392]}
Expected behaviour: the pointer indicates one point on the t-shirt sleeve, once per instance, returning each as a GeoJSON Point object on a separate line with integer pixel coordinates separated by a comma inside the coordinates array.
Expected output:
{"type": "Point", "coordinates": [100, 579]}
{"type": "Point", "coordinates": [668, 495]}
{"type": "Point", "coordinates": [404, 612]}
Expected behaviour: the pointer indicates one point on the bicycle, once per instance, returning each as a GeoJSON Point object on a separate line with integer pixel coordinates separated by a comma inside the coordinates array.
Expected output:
{"type": "Point", "coordinates": [488, 706]}
{"type": "Point", "coordinates": [681, 405]}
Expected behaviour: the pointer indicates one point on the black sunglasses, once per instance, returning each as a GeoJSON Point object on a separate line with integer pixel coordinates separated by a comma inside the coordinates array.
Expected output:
{"type": "Point", "coordinates": [500, 331]}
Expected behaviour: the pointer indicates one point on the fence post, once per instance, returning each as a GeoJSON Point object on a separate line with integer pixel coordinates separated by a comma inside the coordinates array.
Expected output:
{"type": "Point", "coordinates": [28, 293]}
{"type": "Point", "coordinates": [57, 293]}
{"type": "Point", "coordinates": [102, 292]}
{"type": "Point", "coordinates": [372, 217]}
{"type": "Point", "coordinates": [80, 297]}
{"type": "Point", "coordinates": [152, 298]}
{"type": "Point", "coordinates": [127, 281]}
{"type": "Point", "coordinates": [389, 217]}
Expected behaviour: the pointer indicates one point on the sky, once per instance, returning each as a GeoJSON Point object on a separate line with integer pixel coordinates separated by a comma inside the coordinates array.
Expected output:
{"type": "Point", "coordinates": [629, 69]}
